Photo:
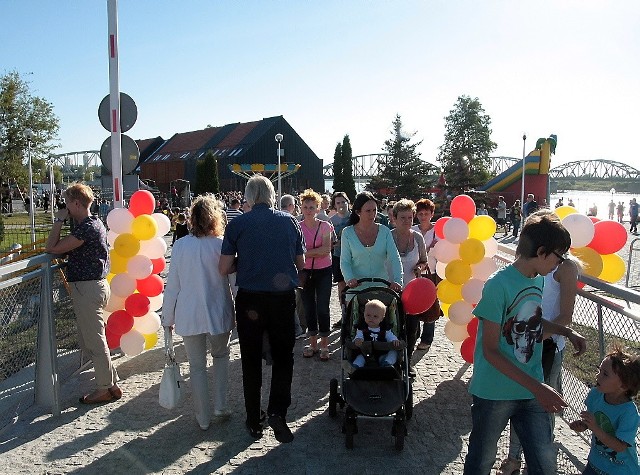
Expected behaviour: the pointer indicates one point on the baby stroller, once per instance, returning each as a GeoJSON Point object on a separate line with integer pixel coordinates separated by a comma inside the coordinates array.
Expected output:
{"type": "Point", "coordinates": [372, 390]}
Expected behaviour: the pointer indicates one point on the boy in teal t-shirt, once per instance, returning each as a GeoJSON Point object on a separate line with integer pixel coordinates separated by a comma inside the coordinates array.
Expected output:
{"type": "Point", "coordinates": [507, 382]}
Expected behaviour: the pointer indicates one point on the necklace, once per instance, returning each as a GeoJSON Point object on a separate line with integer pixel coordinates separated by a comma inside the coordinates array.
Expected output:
{"type": "Point", "coordinates": [367, 236]}
{"type": "Point", "coordinates": [399, 245]}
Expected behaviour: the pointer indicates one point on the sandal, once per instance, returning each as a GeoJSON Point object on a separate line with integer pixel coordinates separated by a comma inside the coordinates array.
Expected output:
{"type": "Point", "coordinates": [309, 351]}
{"type": "Point", "coordinates": [324, 354]}
{"type": "Point", "coordinates": [423, 346]}
{"type": "Point", "coordinates": [509, 466]}
{"type": "Point", "coordinates": [92, 399]}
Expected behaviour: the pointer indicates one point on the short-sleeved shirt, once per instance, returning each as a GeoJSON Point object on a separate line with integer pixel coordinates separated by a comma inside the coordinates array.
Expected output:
{"type": "Point", "coordinates": [339, 223]}
{"type": "Point", "coordinates": [620, 421]}
{"type": "Point", "coordinates": [514, 302]}
{"type": "Point", "coordinates": [90, 261]}
{"type": "Point", "coordinates": [266, 242]}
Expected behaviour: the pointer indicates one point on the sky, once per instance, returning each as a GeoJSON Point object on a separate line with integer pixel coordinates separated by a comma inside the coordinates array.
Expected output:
{"type": "Point", "coordinates": [336, 67]}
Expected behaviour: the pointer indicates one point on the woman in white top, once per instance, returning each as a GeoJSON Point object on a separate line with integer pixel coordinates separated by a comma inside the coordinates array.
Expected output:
{"type": "Point", "coordinates": [413, 256]}
{"type": "Point", "coordinates": [198, 302]}
{"type": "Point", "coordinates": [424, 213]}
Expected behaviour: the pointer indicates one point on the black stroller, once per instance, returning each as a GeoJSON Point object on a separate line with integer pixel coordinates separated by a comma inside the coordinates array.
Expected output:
{"type": "Point", "coordinates": [372, 390]}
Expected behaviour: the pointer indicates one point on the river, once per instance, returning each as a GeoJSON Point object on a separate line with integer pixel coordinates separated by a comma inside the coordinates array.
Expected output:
{"type": "Point", "coordinates": [584, 200]}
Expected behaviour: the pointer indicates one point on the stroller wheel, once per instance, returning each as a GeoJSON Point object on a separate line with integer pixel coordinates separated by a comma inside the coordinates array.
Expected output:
{"type": "Point", "coordinates": [349, 431]}
{"type": "Point", "coordinates": [333, 397]}
{"type": "Point", "coordinates": [399, 431]}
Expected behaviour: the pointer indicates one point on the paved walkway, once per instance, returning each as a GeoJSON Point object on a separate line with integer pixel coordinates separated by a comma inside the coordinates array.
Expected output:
{"type": "Point", "coordinates": [135, 435]}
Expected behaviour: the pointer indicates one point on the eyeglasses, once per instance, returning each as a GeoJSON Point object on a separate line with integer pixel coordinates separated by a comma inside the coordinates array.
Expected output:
{"type": "Point", "coordinates": [559, 256]}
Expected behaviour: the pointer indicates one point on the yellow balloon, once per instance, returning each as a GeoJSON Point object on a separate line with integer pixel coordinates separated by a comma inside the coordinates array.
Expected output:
{"type": "Point", "coordinates": [126, 245]}
{"type": "Point", "coordinates": [613, 268]}
{"type": "Point", "coordinates": [591, 260]}
{"type": "Point", "coordinates": [118, 263]}
{"type": "Point", "coordinates": [472, 250]}
{"type": "Point", "coordinates": [458, 272]}
{"type": "Point", "coordinates": [150, 340]}
{"type": "Point", "coordinates": [482, 227]}
{"type": "Point", "coordinates": [562, 211]}
{"type": "Point", "coordinates": [445, 308]}
{"type": "Point", "coordinates": [448, 292]}
{"type": "Point", "coordinates": [144, 227]}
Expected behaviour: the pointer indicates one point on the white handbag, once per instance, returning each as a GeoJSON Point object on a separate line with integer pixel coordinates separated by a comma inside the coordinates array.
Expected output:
{"type": "Point", "coordinates": [171, 391]}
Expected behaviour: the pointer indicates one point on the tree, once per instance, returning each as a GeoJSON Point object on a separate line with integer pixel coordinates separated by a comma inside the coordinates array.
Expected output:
{"type": "Point", "coordinates": [348, 184]}
{"type": "Point", "coordinates": [464, 155]}
{"type": "Point", "coordinates": [404, 175]}
{"type": "Point", "coordinates": [207, 180]}
{"type": "Point", "coordinates": [20, 110]}
{"type": "Point", "coordinates": [338, 179]}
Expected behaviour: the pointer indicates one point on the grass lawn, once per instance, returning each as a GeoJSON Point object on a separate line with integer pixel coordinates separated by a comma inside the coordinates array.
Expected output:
{"type": "Point", "coordinates": [17, 229]}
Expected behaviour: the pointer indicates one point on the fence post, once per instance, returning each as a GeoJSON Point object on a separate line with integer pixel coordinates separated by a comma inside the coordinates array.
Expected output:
{"type": "Point", "coordinates": [600, 331]}
{"type": "Point", "coordinates": [47, 388]}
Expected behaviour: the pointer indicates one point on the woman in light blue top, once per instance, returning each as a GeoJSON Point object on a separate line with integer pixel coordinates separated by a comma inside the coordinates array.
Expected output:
{"type": "Point", "coordinates": [367, 247]}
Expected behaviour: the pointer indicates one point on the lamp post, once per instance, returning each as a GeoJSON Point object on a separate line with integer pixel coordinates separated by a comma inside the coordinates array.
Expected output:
{"type": "Point", "coordinates": [51, 187]}
{"type": "Point", "coordinates": [28, 133]}
{"type": "Point", "coordinates": [279, 138]}
{"type": "Point", "coordinates": [524, 152]}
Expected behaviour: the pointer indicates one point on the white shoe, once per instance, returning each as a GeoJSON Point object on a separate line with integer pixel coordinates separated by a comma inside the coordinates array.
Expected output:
{"type": "Point", "coordinates": [222, 414]}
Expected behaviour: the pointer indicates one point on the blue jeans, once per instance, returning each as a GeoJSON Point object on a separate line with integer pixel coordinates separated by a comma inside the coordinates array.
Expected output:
{"type": "Point", "coordinates": [316, 296]}
{"type": "Point", "coordinates": [528, 419]}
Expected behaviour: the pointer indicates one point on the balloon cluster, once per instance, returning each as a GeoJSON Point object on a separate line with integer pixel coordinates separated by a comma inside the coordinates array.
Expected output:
{"type": "Point", "coordinates": [595, 242]}
{"type": "Point", "coordinates": [464, 261]}
{"type": "Point", "coordinates": [137, 252]}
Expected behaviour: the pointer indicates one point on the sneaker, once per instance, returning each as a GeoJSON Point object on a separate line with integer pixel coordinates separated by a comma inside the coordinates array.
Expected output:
{"type": "Point", "coordinates": [509, 466]}
{"type": "Point", "coordinates": [255, 430]}
{"type": "Point", "coordinates": [280, 429]}
{"type": "Point", "coordinates": [422, 346]}
{"type": "Point", "coordinates": [222, 414]}
{"type": "Point", "coordinates": [412, 371]}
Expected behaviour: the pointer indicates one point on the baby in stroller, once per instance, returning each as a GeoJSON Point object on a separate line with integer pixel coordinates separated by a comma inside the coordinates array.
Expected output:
{"type": "Point", "coordinates": [373, 328]}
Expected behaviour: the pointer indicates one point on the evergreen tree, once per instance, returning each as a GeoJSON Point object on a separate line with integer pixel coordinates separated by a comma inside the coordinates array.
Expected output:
{"type": "Point", "coordinates": [20, 110]}
{"type": "Point", "coordinates": [338, 179]}
{"type": "Point", "coordinates": [348, 184]}
{"type": "Point", "coordinates": [404, 175]}
{"type": "Point", "coordinates": [464, 155]}
{"type": "Point", "coordinates": [207, 180]}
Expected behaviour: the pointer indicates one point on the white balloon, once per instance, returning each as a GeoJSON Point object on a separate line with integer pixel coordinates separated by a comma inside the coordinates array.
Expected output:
{"type": "Point", "coordinates": [119, 220]}
{"type": "Point", "coordinates": [472, 291]}
{"type": "Point", "coordinates": [580, 228]}
{"type": "Point", "coordinates": [153, 248]}
{"type": "Point", "coordinates": [490, 247]}
{"type": "Point", "coordinates": [446, 251]}
{"type": "Point", "coordinates": [149, 323]}
{"type": "Point", "coordinates": [456, 230]}
{"type": "Point", "coordinates": [132, 343]}
{"type": "Point", "coordinates": [115, 303]}
{"type": "Point", "coordinates": [155, 303]}
{"type": "Point", "coordinates": [455, 332]}
{"type": "Point", "coordinates": [139, 267]}
{"type": "Point", "coordinates": [460, 312]}
{"type": "Point", "coordinates": [483, 269]}
{"type": "Point", "coordinates": [123, 285]}
{"type": "Point", "coordinates": [441, 269]}
{"type": "Point", "coordinates": [111, 237]}
{"type": "Point", "coordinates": [164, 223]}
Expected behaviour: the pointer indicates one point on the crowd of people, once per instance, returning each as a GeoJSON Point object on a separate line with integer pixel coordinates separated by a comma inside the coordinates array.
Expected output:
{"type": "Point", "coordinates": [240, 262]}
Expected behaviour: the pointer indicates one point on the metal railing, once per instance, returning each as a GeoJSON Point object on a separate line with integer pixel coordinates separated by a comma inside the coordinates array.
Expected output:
{"type": "Point", "coordinates": [37, 327]}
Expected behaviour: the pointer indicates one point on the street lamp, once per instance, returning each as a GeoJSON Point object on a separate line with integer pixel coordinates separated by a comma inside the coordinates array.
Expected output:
{"type": "Point", "coordinates": [28, 133]}
{"type": "Point", "coordinates": [51, 187]}
{"type": "Point", "coordinates": [524, 151]}
{"type": "Point", "coordinates": [279, 138]}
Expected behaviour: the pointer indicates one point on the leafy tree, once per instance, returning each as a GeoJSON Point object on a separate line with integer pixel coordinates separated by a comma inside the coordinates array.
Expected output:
{"type": "Point", "coordinates": [20, 110]}
{"type": "Point", "coordinates": [464, 155]}
{"type": "Point", "coordinates": [207, 180]}
{"type": "Point", "coordinates": [404, 175]}
{"type": "Point", "coordinates": [348, 184]}
{"type": "Point", "coordinates": [338, 179]}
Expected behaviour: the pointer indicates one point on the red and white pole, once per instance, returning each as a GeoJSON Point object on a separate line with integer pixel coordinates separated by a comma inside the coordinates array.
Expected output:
{"type": "Point", "coordinates": [114, 103]}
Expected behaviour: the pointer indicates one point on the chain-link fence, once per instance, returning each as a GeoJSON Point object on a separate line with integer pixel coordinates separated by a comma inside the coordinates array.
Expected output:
{"type": "Point", "coordinates": [32, 291]}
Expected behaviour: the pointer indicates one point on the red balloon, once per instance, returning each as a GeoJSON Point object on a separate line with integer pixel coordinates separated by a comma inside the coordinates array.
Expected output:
{"type": "Point", "coordinates": [150, 286]}
{"type": "Point", "coordinates": [439, 226]}
{"type": "Point", "coordinates": [418, 296]}
{"type": "Point", "coordinates": [463, 206]}
{"type": "Point", "coordinates": [609, 237]}
{"type": "Point", "coordinates": [137, 305]}
{"type": "Point", "coordinates": [159, 265]}
{"type": "Point", "coordinates": [579, 284]}
{"type": "Point", "coordinates": [472, 327]}
{"type": "Point", "coordinates": [467, 348]}
{"type": "Point", "coordinates": [120, 322]}
{"type": "Point", "coordinates": [142, 202]}
{"type": "Point", "coordinates": [113, 339]}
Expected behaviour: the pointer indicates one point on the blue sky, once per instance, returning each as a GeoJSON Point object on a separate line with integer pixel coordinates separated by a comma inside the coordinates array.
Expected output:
{"type": "Point", "coordinates": [333, 67]}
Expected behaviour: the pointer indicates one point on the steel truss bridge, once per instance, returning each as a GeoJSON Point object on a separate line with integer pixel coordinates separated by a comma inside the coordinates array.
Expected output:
{"type": "Point", "coordinates": [367, 166]}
